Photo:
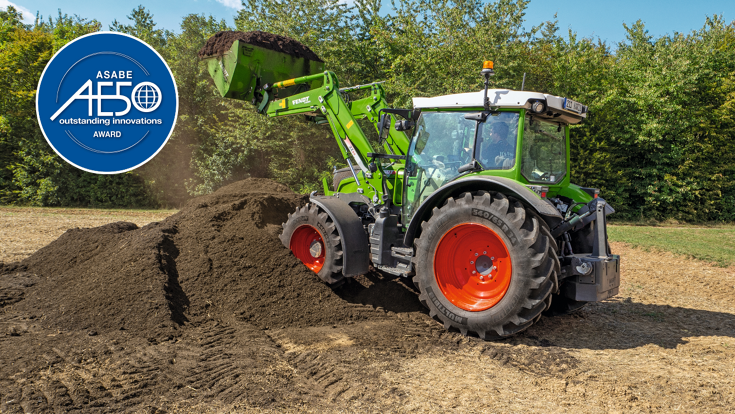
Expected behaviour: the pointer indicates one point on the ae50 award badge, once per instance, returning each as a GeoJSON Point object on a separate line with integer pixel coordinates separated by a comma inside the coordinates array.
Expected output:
{"type": "Point", "coordinates": [107, 103]}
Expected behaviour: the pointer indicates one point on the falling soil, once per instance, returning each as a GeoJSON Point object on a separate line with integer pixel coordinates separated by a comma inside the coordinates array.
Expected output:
{"type": "Point", "coordinates": [221, 42]}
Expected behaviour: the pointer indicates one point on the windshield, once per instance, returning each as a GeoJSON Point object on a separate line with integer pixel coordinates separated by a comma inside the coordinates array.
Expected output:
{"type": "Point", "coordinates": [443, 142]}
{"type": "Point", "coordinates": [544, 151]}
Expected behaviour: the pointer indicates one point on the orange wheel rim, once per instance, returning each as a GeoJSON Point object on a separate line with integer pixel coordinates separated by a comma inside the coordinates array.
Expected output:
{"type": "Point", "coordinates": [472, 267]}
{"type": "Point", "coordinates": [307, 245]}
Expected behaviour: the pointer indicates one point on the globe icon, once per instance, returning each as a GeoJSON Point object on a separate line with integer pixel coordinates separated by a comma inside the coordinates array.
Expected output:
{"type": "Point", "coordinates": [147, 97]}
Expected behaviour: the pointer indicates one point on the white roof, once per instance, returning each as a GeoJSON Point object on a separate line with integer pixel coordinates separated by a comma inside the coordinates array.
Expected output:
{"type": "Point", "coordinates": [503, 98]}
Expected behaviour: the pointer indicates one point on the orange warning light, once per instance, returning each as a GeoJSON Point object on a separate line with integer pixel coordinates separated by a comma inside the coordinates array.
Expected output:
{"type": "Point", "coordinates": [488, 64]}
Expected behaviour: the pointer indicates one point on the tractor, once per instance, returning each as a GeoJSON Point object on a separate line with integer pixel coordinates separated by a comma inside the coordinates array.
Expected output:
{"type": "Point", "coordinates": [467, 195]}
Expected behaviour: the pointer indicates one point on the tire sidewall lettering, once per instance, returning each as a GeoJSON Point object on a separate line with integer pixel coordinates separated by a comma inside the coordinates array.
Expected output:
{"type": "Point", "coordinates": [441, 308]}
{"type": "Point", "coordinates": [499, 223]}
{"type": "Point", "coordinates": [322, 230]}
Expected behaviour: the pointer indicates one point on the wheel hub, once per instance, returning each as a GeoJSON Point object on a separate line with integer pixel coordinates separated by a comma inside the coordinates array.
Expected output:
{"type": "Point", "coordinates": [315, 249]}
{"type": "Point", "coordinates": [307, 245]}
{"type": "Point", "coordinates": [472, 266]}
{"type": "Point", "coordinates": [484, 265]}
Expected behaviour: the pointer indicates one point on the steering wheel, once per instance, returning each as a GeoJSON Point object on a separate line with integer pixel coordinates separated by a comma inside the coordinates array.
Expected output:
{"type": "Point", "coordinates": [544, 176]}
{"type": "Point", "coordinates": [438, 164]}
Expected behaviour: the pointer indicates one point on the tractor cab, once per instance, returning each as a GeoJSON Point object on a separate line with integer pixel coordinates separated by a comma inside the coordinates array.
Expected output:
{"type": "Point", "coordinates": [523, 136]}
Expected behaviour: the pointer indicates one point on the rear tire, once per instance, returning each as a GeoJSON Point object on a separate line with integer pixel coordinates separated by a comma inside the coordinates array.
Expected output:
{"type": "Point", "coordinates": [498, 232]}
{"type": "Point", "coordinates": [313, 238]}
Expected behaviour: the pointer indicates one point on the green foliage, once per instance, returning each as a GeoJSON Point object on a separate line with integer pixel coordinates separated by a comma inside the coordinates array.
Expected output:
{"type": "Point", "coordinates": [664, 120]}
{"type": "Point", "coordinates": [143, 28]}
{"type": "Point", "coordinates": [658, 142]}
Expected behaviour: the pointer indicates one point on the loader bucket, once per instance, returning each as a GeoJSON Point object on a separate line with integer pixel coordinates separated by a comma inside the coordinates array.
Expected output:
{"type": "Point", "coordinates": [255, 59]}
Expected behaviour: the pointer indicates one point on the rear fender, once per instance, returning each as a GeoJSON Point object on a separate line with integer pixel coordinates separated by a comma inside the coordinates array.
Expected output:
{"type": "Point", "coordinates": [355, 247]}
{"type": "Point", "coordinates": [509, 187]}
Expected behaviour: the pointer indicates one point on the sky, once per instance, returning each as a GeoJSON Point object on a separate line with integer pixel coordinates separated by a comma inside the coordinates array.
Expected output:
{"type": "Point", "coordinates": [603, 19]}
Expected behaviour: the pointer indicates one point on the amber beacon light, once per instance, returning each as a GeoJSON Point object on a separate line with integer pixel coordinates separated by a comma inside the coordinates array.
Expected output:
{"type": "Point", "coordinates": [487, 69]}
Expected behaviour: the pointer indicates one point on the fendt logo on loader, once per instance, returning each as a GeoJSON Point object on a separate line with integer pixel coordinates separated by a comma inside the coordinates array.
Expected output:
{"type": "Point", "coordinates": [303, 100]}
{"type": "Point", "coordinates": [107, 103]}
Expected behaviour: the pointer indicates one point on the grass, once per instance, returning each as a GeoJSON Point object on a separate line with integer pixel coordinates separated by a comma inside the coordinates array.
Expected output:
{"type": "Point", "coordinates": [710, 244]}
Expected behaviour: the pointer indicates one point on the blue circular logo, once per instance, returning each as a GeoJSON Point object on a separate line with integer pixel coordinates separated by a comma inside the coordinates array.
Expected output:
{"type": "Point", "coordinates": [107, 102]}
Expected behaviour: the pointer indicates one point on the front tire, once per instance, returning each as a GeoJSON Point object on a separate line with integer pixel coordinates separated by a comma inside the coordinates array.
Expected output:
{"type": "Point", "coordinates": [313, 238]}
{"type": "Point", "coordinates": [484, 265]}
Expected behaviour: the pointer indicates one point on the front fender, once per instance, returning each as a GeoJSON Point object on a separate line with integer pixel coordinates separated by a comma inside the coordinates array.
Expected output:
{"type": "Point", "coordinates": [356, 252]}
{"type": "Point", "coordinates": [509, 187]}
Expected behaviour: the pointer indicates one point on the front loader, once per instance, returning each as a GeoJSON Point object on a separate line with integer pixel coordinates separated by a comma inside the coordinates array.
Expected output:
{"type": "Point", "coordinates": [469, 195]}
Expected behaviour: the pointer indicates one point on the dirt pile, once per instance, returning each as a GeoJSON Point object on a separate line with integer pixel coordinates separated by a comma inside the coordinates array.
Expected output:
{"type": "Point", "coordinates": [221, 42]}
{"type": "Point", "coordinates": [218, 257]}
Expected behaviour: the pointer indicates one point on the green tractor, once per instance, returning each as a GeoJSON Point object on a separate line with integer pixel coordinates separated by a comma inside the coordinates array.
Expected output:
{"type": "Point", "coordinates": [469, 195]}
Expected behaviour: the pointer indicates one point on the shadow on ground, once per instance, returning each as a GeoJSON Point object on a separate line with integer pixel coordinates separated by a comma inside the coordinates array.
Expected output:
{"type": "Point", "coordinates": [391, 294]}
{"type": "Point", "coordinates": [613, 324]}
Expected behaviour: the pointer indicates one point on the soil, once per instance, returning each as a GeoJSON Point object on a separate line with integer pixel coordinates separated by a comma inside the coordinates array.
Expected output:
{"type": "Point", "coordinates": [24, 230]}
{"type": "Point", "coordinates": [221, 42]}
{"type": "Point", "coordinates": [206, 311]}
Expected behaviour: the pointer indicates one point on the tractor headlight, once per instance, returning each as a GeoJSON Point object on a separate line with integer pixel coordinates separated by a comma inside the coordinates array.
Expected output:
{"type": "Point", "coordinates": [538, 107]}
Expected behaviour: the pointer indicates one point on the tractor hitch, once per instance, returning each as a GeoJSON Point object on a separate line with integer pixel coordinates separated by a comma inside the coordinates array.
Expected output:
{"type": "Point", "coordinates": [595, 276]}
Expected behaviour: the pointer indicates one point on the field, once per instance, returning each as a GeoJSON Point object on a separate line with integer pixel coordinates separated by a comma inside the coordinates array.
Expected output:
{"type": "Point", "coordinates": [666, 343]}
{"type": "Point", "coordinates": [714, 244]}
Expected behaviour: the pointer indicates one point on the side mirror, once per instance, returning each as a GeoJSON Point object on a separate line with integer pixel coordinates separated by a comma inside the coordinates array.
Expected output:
{"type": "Point", "coordinates": [382, 126]}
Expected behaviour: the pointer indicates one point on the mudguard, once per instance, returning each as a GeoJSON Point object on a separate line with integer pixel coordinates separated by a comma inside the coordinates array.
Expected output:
{"type": "Point", "coordinates": [509, 187]}
{"type": "Point", "coordinates": [355, 247]}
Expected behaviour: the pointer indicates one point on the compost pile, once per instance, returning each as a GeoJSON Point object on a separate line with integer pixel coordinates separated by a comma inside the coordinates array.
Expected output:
{"type": "Point", "coordinates": [221, 42]}
{"type": "Point", "coordinates": [220, 255]}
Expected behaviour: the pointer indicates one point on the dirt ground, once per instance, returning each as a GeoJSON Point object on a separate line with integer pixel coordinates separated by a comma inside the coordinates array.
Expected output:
{"type": "Point", "coordinates": [665, 344]}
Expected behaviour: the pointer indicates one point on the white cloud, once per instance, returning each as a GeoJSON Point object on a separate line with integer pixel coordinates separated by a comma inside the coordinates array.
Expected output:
{"type": "Point", "coordinates": [28, 17]}
{"type": "Point", "coordinates": [234, 4]}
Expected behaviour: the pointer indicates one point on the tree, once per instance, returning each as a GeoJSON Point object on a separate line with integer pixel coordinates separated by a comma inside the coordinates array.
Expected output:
{"type": "Point", "coordinates": [143, 27]}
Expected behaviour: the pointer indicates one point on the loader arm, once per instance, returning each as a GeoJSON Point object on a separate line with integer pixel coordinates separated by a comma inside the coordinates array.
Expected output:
{"type": "Point", "coordinates": [326, 101]}
{"type": "Point", "coordinates": [370, 107]}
